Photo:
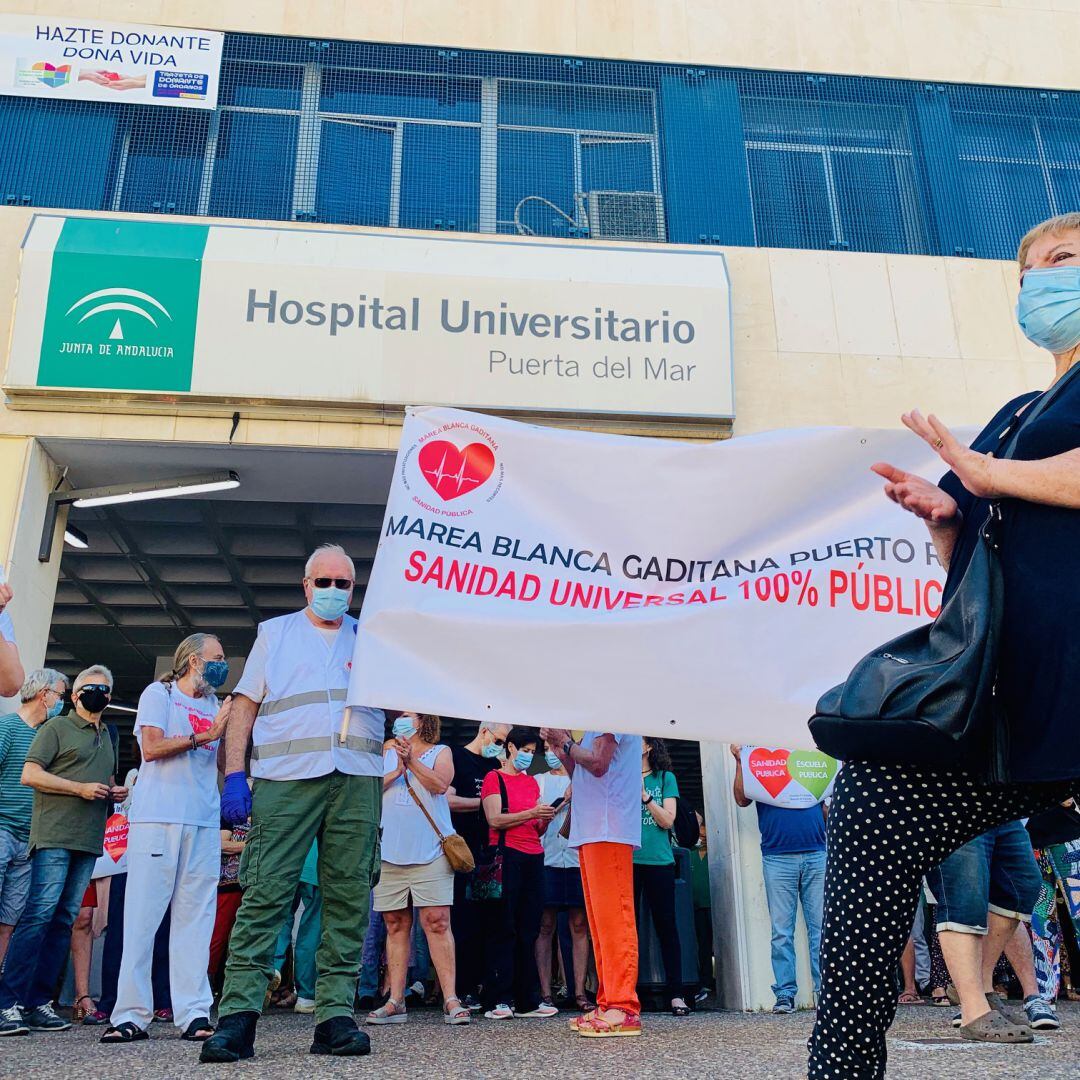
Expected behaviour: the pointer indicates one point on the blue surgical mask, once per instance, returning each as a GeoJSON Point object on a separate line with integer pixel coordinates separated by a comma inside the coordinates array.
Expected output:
{"type": "Point", "coordinates": [522, 760]}
{"type": "Point", "coordinates": [404, 727]}
{"type": "Point", "coordinates": [552, 759]}
{"type": "Point", "coordinates": [492, 751]}
{"type": "Point", "coordinates": [55, 709]}
{"type": "Point", "coordinates": [329, 603]}
{"type": "Point", "coordinates": [215, 672]}
{"type": "Point", "coordinates": [1048, 308]}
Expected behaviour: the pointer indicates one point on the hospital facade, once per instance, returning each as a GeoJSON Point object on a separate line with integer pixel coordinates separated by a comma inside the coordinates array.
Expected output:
{"type": "Point", "coordinates": [851, 175]}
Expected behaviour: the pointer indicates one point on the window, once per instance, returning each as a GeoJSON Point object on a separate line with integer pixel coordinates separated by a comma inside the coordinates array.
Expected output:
{"type": "Point", "coordinates": [162, 161]}
{"type": "Point", "coordinates": [1018, 170]}
{"type": "Point", "coordinates": [828, 174]}
{"type": "Point", "coordinates": [253, 165]}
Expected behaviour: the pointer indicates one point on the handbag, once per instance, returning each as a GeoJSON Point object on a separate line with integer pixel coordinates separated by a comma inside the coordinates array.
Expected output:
{"type": "Point", "coordinates": [487, 882]}
{"type": "Point", "coordinates": [927, 697]}
{"type": "Point", "coordinates": [453, 846]}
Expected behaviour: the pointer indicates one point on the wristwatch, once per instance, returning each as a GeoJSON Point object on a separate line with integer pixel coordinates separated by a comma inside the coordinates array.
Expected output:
{"type": "Point", "coordinates": [566, 747]}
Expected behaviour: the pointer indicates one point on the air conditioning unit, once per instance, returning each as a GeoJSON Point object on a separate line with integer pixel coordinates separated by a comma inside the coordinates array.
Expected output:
{"type": "Point", "coordinates": [625, 215]}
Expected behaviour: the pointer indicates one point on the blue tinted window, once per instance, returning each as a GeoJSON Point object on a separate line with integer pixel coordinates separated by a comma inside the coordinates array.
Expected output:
{"type": "Point", "coordinates": [440, 177]}
{"type": "Point", "coordinates": [260, 86]}
{"type": "Point", "coordinates": [616, 165]}
{"type": "Point", "coordinates": [378, 93]}
{"type": "Point", "coordinates": [873, 193]}
{"type": "Point", "coordinates": [580, 108]}
{"type": "Point", "coordinates": [54, 155]}
{"type": "Point", "coordinates": [254, 167]}
{"type": "Point", "coordinates": [791, 199]}
{"type": "Point", "coordinates": [166, 149]}
{"type": "Point", "coordinates": [354, 173]}
{"type": "Point", "coordinates": [536, 182]}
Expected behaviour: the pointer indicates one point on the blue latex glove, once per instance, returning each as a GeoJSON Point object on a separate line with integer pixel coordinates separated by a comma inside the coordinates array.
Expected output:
{"type": "Point", "coordinates": [236, 799]}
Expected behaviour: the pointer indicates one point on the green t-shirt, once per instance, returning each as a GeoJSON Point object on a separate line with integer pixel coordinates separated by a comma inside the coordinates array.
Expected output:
{"type": "Point", "coordinates": [655, 847]}
{"type": "Point", "coordinates": [16, 801]}
{"type": "Point", "coordinates": [73, 749]}
{"type": "Point", "coordinates": [699, 878]}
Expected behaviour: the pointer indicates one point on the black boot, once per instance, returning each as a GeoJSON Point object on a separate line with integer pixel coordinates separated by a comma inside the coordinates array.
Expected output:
{"type": "Point", "coordinates": [341, 1037]}
{"type": "Point", "coordinates": [234, 1039]}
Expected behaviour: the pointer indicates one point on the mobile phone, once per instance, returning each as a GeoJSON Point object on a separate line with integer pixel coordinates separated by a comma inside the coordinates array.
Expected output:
{"type": "Point", "coordinates": [558, 802]}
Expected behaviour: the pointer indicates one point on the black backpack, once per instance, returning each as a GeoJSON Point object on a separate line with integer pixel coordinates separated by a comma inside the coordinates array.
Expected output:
{"type": "Point", "coordinates": [684, 829]}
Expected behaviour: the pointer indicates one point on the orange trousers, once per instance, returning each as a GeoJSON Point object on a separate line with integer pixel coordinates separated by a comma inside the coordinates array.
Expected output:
{"type": "Point", "coordinates": [607, 876]}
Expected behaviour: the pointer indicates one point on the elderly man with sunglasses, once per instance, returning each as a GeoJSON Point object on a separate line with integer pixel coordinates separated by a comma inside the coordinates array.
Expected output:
{"type": "Point", "coordinates": [308, 784]}
{"type": "Point", "coordinates": [71, 765]}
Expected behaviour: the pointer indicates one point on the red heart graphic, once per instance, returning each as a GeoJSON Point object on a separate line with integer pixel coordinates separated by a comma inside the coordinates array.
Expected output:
{"type": "Point", "coordinates": [770, 769]}
{"type": "Point", "coordinates": [116, 836]}
{"type": "Point", "coordinates": [453, 472]}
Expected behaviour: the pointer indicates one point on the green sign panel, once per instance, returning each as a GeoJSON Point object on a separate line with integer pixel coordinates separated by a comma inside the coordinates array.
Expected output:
{"type": "Point", "coordinates": [122, 306]}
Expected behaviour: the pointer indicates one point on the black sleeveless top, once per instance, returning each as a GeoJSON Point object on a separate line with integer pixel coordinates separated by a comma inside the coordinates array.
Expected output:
{"type": "Point", "coordinates": [1039, 673]}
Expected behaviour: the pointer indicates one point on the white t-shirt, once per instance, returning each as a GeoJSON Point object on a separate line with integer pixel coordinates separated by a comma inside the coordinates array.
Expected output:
{"type": "Point", "coordinates": [558, 853]}
{"type": "Point", "coordinates": [7, 627]}
{"type": "Point", "coordinates": [182, 789]}
{"type": "Point", "coordinates": [407, 836]}
{"type": "Point", "coordinates": [607, 809]}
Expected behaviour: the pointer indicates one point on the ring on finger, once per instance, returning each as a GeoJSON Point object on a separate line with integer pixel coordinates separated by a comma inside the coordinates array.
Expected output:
{"type": "Point", "coordinates": [939, 444]}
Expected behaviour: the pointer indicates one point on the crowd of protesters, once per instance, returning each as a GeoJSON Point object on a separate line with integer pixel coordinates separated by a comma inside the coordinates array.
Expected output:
{"type": "Point", "coordinates": [202, 880]}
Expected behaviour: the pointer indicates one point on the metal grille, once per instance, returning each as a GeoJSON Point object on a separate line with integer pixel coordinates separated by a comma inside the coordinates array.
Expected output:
{"type": "Point", "coordinates": [426, 138]}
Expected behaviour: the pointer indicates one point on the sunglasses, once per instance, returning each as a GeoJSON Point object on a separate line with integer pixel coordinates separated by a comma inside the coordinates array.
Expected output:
{"type": "Point", "coordinates": [326, 582]}
{"type": "Point", "coordinates": [499, 742]}
{"type": "Point", "coordinates": [95, 686]}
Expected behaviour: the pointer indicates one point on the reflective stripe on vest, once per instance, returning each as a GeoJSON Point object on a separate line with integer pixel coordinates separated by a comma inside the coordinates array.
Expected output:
{"type": "Point", "coordinates": [315, 745]}
{"type": "Point", "coordinates": [294, 701]}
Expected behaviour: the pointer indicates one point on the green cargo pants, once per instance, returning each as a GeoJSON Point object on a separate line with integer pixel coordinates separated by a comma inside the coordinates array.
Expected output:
{"type": "Point", "coordinates": [343, 812]}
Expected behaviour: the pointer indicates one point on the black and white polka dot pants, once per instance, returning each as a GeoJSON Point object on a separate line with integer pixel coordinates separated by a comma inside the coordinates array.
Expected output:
{"type": "Point", "coordinates": [889, 825]}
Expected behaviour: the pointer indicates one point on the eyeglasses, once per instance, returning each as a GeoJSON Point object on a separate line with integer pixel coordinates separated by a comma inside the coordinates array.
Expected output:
{"type": "Point", "coordinates": [499, 742]}
{"type": "Point", "coordinates": [326, 582]}
{"type": "Point", "coordinates": [95, 686]}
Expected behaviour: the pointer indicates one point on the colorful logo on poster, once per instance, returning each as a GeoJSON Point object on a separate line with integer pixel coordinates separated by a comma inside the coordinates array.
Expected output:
{"type": "Point", "coordinates": [122, 306]}
{"type": "Point", "coordinates": [42, 73]}
{"type": "Point", "coordinates": [787, 778]}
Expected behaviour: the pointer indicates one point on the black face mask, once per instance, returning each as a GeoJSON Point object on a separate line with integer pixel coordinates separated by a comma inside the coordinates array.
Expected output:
{"type": "Point", "coordinates": [94, 699]}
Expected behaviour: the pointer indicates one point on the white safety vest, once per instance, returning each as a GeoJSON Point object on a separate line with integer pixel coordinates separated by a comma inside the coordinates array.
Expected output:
{"type": "Point", "coordinates": [295, 736]}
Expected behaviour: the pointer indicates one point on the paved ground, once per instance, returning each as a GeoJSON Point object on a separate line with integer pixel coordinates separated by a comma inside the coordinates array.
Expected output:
{"type": "Point", "coordinates": [714, 1045]}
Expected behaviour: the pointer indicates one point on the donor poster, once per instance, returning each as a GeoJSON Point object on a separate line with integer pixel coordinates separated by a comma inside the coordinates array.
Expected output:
{"type": "Point", "coordinates": [793, 779]}
{"type": "Point", "coordinates": [698, 591]}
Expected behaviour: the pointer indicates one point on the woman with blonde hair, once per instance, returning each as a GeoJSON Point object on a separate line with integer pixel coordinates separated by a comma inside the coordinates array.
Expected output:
{"type": "Point", "coordinates": [416, 875]}
{"type": "Point", "coordinates": [174, 843]}
{"type": "Point", "coordinates": [890, 824]}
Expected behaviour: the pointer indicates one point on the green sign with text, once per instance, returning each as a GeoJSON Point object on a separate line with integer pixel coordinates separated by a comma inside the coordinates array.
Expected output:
{"type": "Point", "coordinates": [122, 306]}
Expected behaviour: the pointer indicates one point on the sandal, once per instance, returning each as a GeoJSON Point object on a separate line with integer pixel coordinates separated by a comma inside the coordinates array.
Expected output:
{"type": "Point", "coordinates": [577, 1020]}
{"type": "Point", "coordinates": [124, 1033]}
{"type": "Point", "coordinates": [910, 997]}
{"type": "Point", "coordinates": [596, 1027]}
{"type": "Point", "coordinates": [457, 1014]}
{"type": "Point", "coordinates": [941, 1000]}
{"type": "Point", "coordinates": [680, 1010]}
{"type": "Point", "coordinates": [584, 1003]}
{"type": "Point", "coordinates": [199, 1030]}
{"type": "Point", "coordinates": [992, 1027]}
{"type": "Point", "coordinates": [393, 1012]}
{"type": "Point", "coordinates": [79, 1013]}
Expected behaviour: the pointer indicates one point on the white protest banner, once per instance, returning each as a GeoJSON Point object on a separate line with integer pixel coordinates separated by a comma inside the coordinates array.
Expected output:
{"type": "Point", "coordinates": [793, 779]}
{"type": "Point", "coordinates": [578, 580]}
{"type": "Point", "coordinates": [91, 60]}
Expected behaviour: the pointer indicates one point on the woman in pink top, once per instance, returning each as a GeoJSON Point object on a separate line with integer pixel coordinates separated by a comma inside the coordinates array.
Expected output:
{"type": "Point", "coordinates": [517, 817]}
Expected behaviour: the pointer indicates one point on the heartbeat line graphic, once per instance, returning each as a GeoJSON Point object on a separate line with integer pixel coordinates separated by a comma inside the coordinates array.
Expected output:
{"type": "Point", "coordinates": [439, 473]}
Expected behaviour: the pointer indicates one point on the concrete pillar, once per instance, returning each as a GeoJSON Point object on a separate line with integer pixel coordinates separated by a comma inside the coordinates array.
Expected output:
{"type": "Point", "coordinates": [27, 475]}
{"type": "Point", "coordinates": [741, 928]}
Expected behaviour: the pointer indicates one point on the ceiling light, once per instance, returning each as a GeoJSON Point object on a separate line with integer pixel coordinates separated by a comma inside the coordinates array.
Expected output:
{"type": "Point", "coordinates": [75, 537]}
{"type": "Point", "coordinates": [159, 489]}
{"type": "Point", "coordinates": [120, 708]}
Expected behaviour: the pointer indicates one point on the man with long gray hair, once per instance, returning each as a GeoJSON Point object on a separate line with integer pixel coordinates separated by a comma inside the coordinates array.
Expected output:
{"type": "Point", "coordinates": [314, 777]}
{"type": "Point", "coordinates": [41, 698]}
{"type": "Point", "coordinates": [71, 765]}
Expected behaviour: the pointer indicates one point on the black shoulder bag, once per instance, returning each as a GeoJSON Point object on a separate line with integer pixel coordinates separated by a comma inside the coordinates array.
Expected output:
{"type": "Point", "coordinates": [487, 880]}
{"type": "Point", "coordinates": [927, 697]}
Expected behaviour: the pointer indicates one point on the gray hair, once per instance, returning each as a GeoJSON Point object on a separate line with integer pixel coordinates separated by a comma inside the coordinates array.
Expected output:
{"type": "Point", "coordinates": [192, 645]}
{"type": "Point", "coordinates": [43, 678]}
{"type": "Point", "coordinates": [329, 549]}
{"type": "Point", "coordinates": [94, 673]}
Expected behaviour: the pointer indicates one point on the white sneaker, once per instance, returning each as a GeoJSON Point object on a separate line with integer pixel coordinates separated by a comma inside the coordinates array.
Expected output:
{"type": "Point", "coordinates": [304, 1005]}
{"type": "Point", "coordinates": [543, 1010]}
{"type": "Point", "coordinates": [500, 1012]}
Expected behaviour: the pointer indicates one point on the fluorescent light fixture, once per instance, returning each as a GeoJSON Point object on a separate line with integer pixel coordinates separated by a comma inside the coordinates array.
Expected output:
{"type": "Point", "coordinates": [75, 537]}
{"type": "Point", "coordinates": [120, 708]}
{"type": "Point", "coordinates": [160, 489]}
